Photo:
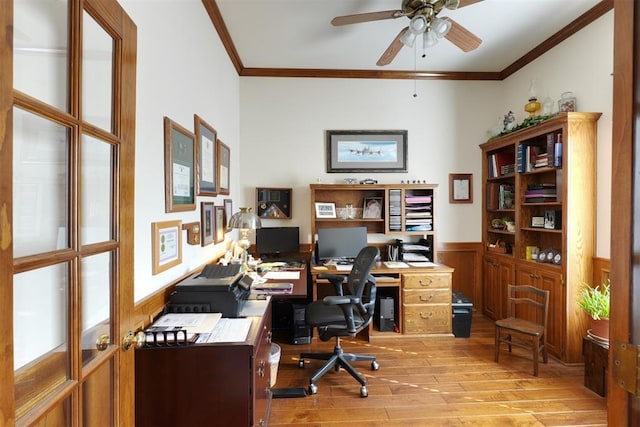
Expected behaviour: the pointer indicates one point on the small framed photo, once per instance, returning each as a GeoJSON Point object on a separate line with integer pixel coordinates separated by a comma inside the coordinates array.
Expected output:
{"type": "Point", "coordinates": [220, 226]}
{"type": "Point", "coordinates": [207, 223]}
{"type": "Point", "coordinates": [228, 211]}
{"type": "Point", "coordinates": [325, 210]}
{"type": "Point", "coordinates": [460, 188]}
{"type": "Point", "coordinates": [166, 245]}
{"type": "Point", "coordinates": [372, 208]}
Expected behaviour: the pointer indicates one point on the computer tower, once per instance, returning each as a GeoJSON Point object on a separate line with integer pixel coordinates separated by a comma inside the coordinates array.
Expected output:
{"type": "Point", "coordinates": [301, 332]}
{"type": "Point", "coordinates": [387, 314]}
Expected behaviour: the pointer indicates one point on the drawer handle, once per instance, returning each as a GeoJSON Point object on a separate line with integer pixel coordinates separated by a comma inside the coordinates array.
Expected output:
{"type": "Point", "coordinates": [427, 283]}
{"type": "Point", "coordinates": [426, 315]}
{"type": "Point", "coordinates": [426, 298]}
{"type": "Point", "coordinates": [261, 368]}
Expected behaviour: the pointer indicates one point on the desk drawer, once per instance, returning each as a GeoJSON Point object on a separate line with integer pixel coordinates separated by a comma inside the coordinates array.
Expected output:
{"type": "Point", "coordinates": [426, 281]}
{"type": "Point", "coordinates": [427, 319]}
{"type": "Point", "coordinates": [426, 296]}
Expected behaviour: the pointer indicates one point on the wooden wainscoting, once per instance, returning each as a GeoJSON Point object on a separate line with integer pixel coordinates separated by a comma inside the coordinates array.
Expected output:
{"type": "Point", "coordinates": [601, 268]}
{"type": "Point", "coordinates": [466, 258]}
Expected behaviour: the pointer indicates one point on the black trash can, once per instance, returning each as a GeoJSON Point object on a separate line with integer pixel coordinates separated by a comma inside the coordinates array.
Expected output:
{"type": "Point", "coordinates": [462, 309]}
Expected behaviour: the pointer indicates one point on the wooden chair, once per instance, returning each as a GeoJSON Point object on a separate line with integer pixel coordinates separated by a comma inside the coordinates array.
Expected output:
{"type": "Point", "coordinates": [526, 321]}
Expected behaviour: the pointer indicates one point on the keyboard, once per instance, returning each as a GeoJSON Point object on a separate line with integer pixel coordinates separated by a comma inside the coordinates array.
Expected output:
{"type": "Point", "coordinates": [219, 271]}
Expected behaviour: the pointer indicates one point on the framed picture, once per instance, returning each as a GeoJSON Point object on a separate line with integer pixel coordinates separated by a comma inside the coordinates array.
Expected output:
{"type": "Point", "coordinates": [179, 167]}
{"type": "Point", "coordinates": [273, 202]}
{"type": "Point", "coordinates": [166, 245]}
{"type": "Point", "coordinates": [207, 223]}
{"type": "Point", "coordinates": [223, 168]}
{"type": "Point", "coordinates": [325, 210]}
{"type": "Point", "coordinates": [219, 224]}
{"type": "Point", "coordinates": [206, 137]}
{"type": "Point", "coordinates": [366, 151]}
{"type": "Point", "coordinates": [372, 207]}
{"type": "Point", "coordinates": [460, 188]}
{"type": "Point", "coordinates": [228, 211]}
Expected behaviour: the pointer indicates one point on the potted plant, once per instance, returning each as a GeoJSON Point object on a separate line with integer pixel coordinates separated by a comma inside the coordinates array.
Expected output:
{"type": "Point", "coordinates": [596, 302]}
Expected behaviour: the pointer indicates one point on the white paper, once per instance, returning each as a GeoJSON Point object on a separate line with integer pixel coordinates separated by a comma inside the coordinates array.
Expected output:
{"type": "Point", "coordinates": [193, 322]}
{"type": "Point", "coordinates": [228, 330]}
{"type": "Point", "coordinates": [286, 275]}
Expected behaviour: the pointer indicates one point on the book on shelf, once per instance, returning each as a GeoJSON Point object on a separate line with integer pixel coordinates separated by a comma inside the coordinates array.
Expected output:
{"type": "Point", "coordinates": [506, 196]}
{"type": "Point", "coordinates": [501, 163]}
{"type": "Point", "coordinates": [493, 189]}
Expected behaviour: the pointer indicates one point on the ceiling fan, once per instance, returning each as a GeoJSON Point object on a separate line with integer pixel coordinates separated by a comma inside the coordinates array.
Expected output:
{"type": "Point", "coordinates": [424, 20]}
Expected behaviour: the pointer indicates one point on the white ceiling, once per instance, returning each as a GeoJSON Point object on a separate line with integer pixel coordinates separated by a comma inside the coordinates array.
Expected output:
{"type": "Point", "coordinates": [299, 34]}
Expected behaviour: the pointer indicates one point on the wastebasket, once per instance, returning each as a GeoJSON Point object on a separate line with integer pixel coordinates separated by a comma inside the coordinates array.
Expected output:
{"type": "Point", "coordinates": [462, 309]}
{"type": "Point", "coordinates": [274, 360]}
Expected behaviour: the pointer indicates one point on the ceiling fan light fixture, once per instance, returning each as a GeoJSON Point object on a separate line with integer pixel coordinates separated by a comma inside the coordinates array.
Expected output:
{"type": "Point", "coordinates": [451, 4]}
{"type": "Point", "coordinates": [418, 24]}
{"type": "Point", "coordinates": [408, 38]}
{"type": "Point", "coordinates": [440, 26]}
{"type": "Point", "coordinates": [429, 39]}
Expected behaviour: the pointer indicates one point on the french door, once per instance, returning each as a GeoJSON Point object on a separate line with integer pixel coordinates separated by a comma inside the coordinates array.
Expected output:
{"type": "Point", "coordinates": [67, 110]}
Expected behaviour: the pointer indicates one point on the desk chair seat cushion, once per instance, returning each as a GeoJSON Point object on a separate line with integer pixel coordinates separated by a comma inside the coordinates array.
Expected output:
{"type": "Point", "coordinates": [329, 318]}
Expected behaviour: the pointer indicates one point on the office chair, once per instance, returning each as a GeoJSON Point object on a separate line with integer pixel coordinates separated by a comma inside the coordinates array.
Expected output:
{"type": "Point", "coordinates": [342, 315]}
{"type": "Point", "coordinates": [527, 311]}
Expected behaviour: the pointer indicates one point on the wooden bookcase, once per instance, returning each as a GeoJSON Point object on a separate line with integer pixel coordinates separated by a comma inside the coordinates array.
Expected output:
{"type": "Point", "coordinates": [553, 206]}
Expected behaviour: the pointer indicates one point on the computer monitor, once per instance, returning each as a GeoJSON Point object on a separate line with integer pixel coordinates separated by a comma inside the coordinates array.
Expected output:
{"type": "Point", "coordinates": [274, 241]}
{"type": "Point", "coordinates": [341, 243]}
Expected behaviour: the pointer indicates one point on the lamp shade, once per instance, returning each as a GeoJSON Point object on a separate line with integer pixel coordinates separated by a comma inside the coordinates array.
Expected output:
{"type": "Point", "coordinates": [245, 219]}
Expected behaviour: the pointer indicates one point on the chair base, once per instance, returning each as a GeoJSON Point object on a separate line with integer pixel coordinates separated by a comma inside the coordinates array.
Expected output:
{"type": "Point", "coordinates": [336, 360]}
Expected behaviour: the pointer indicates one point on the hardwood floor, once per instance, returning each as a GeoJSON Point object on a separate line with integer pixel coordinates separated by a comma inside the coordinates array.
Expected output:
{"type": "Point", "coordinates": [437, 382]}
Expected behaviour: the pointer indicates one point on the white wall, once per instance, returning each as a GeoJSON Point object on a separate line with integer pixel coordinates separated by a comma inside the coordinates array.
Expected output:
{"type": "Point", "coordinates": [183, 70]}
{"type": "Point", "coordinates": [283, 123]}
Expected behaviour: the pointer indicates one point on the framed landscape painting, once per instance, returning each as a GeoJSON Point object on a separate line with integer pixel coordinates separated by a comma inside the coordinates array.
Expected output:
{"type": "Point", "coordinates": [366, 151]}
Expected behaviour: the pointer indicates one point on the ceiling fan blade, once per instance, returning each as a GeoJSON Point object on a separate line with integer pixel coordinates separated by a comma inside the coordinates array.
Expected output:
{"type": "Point", "coordinates": [464, 3]}
{"type": "Point", "coordinates": [393, 49]}
{"type": "Point", "coordinates": [461, 37]}
{"type": "Point", "coordinates": [365, 17]}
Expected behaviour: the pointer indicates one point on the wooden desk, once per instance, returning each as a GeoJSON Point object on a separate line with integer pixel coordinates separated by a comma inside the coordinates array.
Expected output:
{"type": "Point", "coordinates": [222, 384]}
{"type": "Point", "coordinates": [299, 285]}
{"type": "Point", "coordinates": [422, 297]}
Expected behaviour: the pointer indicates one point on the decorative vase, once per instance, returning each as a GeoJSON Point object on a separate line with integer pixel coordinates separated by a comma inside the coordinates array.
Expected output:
{"type": "Point", "coordinates": [600, 328]}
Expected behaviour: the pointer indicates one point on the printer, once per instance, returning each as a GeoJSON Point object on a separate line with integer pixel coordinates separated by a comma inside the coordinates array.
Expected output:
{"type": "Point", "coordinates": [214, 290]}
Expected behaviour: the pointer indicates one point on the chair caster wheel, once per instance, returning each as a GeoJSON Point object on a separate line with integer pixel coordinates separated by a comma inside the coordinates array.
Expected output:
{"type": "Point", "coordinates": [336, 368]}
{"type": "Point", "coordinates": [313, 389]}
{"type": "Point", "coordinates": [301, 363]}
{"type": "Point", "coordinates": [375, 366]}
{"type": "Point", "coordinates": [363, 391]}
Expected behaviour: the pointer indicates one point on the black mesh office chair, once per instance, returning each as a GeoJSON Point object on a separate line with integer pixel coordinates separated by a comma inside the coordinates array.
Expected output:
{"type": "Point", "coordinates": [344, 314]}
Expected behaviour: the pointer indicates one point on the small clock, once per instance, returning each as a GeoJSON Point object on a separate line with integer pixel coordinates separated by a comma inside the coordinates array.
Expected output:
{"type": "Point", "coordinates": [557, 259]}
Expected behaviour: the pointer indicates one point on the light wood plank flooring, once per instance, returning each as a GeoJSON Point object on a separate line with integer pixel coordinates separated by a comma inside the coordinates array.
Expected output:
{"type": "Point", "coordinates": [437, 382]}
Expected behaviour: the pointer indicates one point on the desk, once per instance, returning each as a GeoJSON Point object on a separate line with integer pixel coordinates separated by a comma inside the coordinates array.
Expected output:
{"type": "Point", "coordinates": [283, 313]}
{"type": "Point", "coordinates": [422, 297]}
{"type": "Point", "coordinates": [225, 384]}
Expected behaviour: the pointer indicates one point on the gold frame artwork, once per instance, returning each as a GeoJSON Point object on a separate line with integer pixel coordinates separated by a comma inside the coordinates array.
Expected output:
{"type": "Point", "coordinates": [166, 245]}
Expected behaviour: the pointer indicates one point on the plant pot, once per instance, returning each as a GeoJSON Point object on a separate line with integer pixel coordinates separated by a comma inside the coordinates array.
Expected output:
{"type": "Point", "coordinates": [600, 329]}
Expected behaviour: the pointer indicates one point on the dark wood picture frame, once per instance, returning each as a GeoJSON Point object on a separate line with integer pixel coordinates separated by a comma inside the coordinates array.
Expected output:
{"type": "Point", "coordinates": [275, 203]}
{"type": "Point", "coordinates": [228, 211]}
{"type": "Point", "coordinates": [207, 223]}
{"type": "Point", "coordinates": [179, 167]}
{"type": "Point", "coordinates": [366, 151]}
{"type": "Point", "coordinates": [460, 188]}
{"type": "Point", "coordinates": [206, 157]}
{"type": "Point", "coordinates": [219, 230]}
{"type": "Point", "coordinates": [223, 167]}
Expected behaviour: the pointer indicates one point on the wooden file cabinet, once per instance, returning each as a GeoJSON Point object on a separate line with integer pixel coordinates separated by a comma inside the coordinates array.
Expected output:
{"type": "Point", "coordinates": [426, 299]}
{"type": "Point", "coordinates": [225, 384]}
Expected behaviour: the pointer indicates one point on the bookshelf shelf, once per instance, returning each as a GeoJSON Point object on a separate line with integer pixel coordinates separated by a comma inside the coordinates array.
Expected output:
{"type": "Point", "coordinates": [551, 161]}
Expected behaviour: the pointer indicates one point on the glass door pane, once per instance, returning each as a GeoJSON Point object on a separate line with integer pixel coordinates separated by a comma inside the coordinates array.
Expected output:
{"type": "Point", "coordinates": [97, 190]}
{"type": "Point", "coordinates": [96, 303]}
{"type": "Point", "coordinates": [97, 74]}
{"type": "Point", "coordinates": [41, 50]}
{"type": "Point", "coordinates": [40, 184]}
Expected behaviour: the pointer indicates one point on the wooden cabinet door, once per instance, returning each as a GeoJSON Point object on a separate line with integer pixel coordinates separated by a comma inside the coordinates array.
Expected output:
{"type": "Point", "coordinates": [498, 274]}
{"type": "Point", "coordinates": [552, 281]}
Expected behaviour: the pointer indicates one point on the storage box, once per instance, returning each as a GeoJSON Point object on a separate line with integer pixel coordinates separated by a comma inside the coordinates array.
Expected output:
{"type": "Point", "coordinates": [461, 311]}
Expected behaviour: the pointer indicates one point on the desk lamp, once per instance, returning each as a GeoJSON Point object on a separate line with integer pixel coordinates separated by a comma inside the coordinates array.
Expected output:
{"type": "Point", "coordinates": [244, 221]}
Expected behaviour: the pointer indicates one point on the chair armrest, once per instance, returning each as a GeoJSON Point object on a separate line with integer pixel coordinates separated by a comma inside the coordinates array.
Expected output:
{"type": "Point", "coordinates": [340, 300]}
{"type": "Point", "coordinates": [336, 280]}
